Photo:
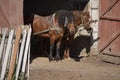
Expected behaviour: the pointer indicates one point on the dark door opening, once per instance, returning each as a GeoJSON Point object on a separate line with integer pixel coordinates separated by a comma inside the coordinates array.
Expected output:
{"type": "Point", "coordinates": [47, 7]}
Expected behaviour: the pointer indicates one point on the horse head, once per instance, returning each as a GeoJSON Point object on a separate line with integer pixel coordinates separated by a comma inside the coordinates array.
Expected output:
{"type": "Point", "coordinates": [65, 20]}
{"type": "Point", "coordinates": [86, 19]}
{"type": "Point", "coordinates": [69, 22]}
{"type": "Point", "coordinates": [82, 19]}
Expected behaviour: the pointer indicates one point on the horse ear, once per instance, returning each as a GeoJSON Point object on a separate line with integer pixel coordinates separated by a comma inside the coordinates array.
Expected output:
{"type": "Point", "coordinates": [53, 19]}
{"type": "Point", "coordinates": [66, 22]}
{"type": "Point", "coordinates": [74, 12]}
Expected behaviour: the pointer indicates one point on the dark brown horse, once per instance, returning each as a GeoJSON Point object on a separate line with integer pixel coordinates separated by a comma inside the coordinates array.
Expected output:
{"type": "Point", "coordinates": [53, 27]}
{"type": "Point", "coordinates": [81, 19]}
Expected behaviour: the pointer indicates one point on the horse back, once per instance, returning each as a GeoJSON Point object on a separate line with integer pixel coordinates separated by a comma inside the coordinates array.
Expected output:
{"type": "Point", "coordinates": [40, 23]}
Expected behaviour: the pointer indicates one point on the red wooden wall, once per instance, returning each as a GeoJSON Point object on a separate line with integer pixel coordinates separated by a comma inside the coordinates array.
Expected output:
{"type": "Point", "coordinates": [109, 27]}
{"type": "Point", "coordinates": [11, 13]}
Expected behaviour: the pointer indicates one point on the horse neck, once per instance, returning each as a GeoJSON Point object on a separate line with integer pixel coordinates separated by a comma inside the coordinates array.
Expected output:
{"type": "Point", "coordinates": [52, 20]}
{"type": "Point", "coordinates": [77, 17]}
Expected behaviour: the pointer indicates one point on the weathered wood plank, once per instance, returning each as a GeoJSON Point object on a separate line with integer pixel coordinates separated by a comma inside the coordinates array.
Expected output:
{"type": "Point", "coordinates": [9, 44]}
{"type": "Point", "coordinates": [21, 54]}
{"type": "Point", "coordinates": [16, 47]}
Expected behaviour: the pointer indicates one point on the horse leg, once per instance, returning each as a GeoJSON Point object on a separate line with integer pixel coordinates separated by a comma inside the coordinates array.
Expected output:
{"type": "Point", "coordinates": [66, 53]}
{"type": "Point", "coordinates": [88, 47]}
{"type": "Point", "coordinates": [51, 52]}
{"type": "Point", "coordinates": [52, 41]}
{"type": "Point", "coordinates": [57, 51]}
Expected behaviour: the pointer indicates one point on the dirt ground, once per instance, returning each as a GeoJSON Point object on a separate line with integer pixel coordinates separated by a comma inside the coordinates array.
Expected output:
{"type": "Point", "coordinates": [91, 68]}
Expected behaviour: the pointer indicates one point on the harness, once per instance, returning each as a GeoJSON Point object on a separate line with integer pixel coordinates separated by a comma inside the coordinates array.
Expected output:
{"type": "Point", "coordinates": [53, 26]}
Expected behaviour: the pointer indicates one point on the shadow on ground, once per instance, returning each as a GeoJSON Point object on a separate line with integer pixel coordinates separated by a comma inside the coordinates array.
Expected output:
{"type": "Point", "coordinates": [40, 47]}
{"type": "Point", "coordinates": [78, 44]}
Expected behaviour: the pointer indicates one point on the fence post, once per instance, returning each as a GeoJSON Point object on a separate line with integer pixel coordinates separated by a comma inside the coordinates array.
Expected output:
{"type": "Point", "coordinates": [12, 65]}
{"type": "Point", "coordinates": [26, 54]}
{"type": "Point", "coordinates": [2, 44]}
{"type": "Point", "coordinates": [9, 44]}
{"type": "Point", "coordinates": [21, 53]}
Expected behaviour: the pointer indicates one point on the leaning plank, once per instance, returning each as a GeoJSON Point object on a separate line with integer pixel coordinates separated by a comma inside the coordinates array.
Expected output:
{"type": "Point", "coordinates": [2, 43]}
{"type": "Point", "coordinates": [26, 54]}
{"type": "Point", "coordinates": [16, 47]}
{"type": "Point", "coordinates": [21, 54]}
{"type": "Point", "coordinates": [28, 62]}
{"type": "Point", "coordinates": [9, 45]}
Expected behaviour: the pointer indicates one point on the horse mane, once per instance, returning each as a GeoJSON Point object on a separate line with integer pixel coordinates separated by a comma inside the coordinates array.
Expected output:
{"type": "Point", "coordinates": [61, 16]}
{"type": "Point", "coordinates": [77, 17]}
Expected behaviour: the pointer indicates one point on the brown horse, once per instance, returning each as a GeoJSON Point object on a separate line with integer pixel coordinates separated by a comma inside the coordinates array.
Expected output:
{"type": "Point", "coordinates": [53, 27]}
{"type": "Point", "coordinates": [81, 19]}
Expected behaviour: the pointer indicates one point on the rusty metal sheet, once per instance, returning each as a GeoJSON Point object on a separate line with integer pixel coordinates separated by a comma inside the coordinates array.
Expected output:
{"type": "Point", "coordinates": [11, 13]}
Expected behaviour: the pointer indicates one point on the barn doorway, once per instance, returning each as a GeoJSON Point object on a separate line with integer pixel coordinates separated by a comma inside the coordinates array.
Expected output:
{"type": "Point", "coordinates": [45, 8]}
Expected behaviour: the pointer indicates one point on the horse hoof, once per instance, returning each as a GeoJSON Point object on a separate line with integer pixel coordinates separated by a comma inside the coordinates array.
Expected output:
{"type": "Point", "coordinates": [51, 59]}
{"type": "Point", "coordinates": [57, 59]}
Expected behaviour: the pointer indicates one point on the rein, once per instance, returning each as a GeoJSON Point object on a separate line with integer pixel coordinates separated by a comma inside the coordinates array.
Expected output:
{"type": "Point", "coordinates": [57, 29]}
